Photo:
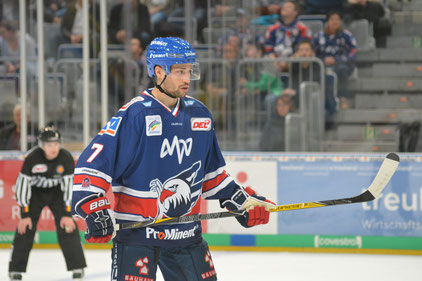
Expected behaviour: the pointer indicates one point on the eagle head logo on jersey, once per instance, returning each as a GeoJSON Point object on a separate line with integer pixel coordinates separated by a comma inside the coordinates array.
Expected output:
{"type": "Point", "coordinates": [174, 196]}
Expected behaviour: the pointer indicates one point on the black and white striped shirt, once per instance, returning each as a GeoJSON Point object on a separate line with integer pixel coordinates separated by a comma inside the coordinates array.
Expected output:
{"type": "Point", "coordinates": [38, 173]}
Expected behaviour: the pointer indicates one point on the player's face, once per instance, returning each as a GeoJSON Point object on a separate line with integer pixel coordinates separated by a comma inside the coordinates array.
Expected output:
{"type": "Point", "coordinates": [51, 149]}
{"type": "Point", "coordinates": [177, 82]}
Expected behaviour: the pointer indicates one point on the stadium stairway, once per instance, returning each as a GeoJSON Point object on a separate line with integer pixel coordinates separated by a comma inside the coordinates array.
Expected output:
{"type": "Point", "coordinates": [387, 91]}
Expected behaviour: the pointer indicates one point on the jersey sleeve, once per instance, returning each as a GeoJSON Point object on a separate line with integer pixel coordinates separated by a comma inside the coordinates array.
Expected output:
{"type": "Point", "coordinates": [217, 183]}
{"type": "Point", "coordinates": [350, 47]}
{"type": "Point", "coordinates": [67, 181]}
{"type": "Point", "coordinates": [108, 155]}
{"type": "Point", "coordinates": [23, 188]}
{"type": "Point", "coordinates": [270, 39]}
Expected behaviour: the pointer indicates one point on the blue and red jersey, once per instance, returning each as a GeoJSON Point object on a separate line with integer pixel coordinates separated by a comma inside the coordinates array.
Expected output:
{"type": "Point", "coordinates": [281, 39]}
{"type": "Point", "coordinates": [158, 162]}
{"type": "Point", "coordinates": [340, 45]}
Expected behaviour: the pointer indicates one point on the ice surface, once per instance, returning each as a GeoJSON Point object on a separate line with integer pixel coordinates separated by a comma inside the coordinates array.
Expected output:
{"type": "Point", "coordinates": [48, 265]}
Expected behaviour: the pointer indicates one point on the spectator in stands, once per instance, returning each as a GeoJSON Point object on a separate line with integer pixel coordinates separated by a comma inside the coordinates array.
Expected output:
{"type": "Point", "coordinates": [221, 90]}
{"type": "Point", "coordinates": [242, 31]}
{"type": "Point", "coordinates": [139, 22]}
{"type": "Point", "coordinates": [10, 134]}
{"type": "Point", "coordinates": [72, 24]}
{"type": "Point", "coordinates": [374, 12]}
{"type": "Point", "coordinates": [269, 12]}
{"type": "Point", "coordinates": [302, 71]}
{"type": "Point", "coordinates": [117, 77]}
{"type": "Point", "coordinates": [273, 134]}
{"type": "Point", "coordinates": [54, 10]}
{"type": "Point", "coordinates": [323, 7]}
{"type": "Point", "coordinates": [158, 11]}
{"type": "Point", "coordinates": [337, 48]}
{"type": "Point", "coordinates": [308, 71]}
{"type": "Point", "coordinates": [257, 78]}
{"type": "Point", "coordinates": [10, 47]}
{"type": "Point", "coordinates": [282, 38]}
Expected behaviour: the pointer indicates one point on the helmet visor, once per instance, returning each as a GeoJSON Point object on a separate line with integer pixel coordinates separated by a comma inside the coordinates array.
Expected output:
{"type": "Point", "coordinates": [188, 71]}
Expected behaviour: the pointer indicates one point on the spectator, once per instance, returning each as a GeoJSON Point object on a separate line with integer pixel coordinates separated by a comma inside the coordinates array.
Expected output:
{"type": "Point", "coordinates": [308, 71]}
{"type": "Point", "coordinates": [10, 47]}
{"type": "Point", "coordinates": [117, 79]}
{"type": "Point", "coordinates": [72, 24]}
{"type": "Point", "coordinates": [374, 12]}
{"type": "Point", "coordinates": [10, 134]}
{"type": "Point", "coordinates": [158, 11]}
{"type": "Point", "coordinates": [243, 31]}
{"type": "Point", "coordinates": [273, 134]}
{"type": "Point", "coordinates": [258, 79]}
{"type": "Point", "coordinates": [54, 10]}
{"type": "Point", "coordinates": [221, 89]}
{"type": "Point", "coordinates": [337, 48]}
{"type": "Point", "coordinates": [269, 12]}
{"type": "Point", "coordinates": [140, 22]}
{"type": "Point", "coordinates": [282, 38]}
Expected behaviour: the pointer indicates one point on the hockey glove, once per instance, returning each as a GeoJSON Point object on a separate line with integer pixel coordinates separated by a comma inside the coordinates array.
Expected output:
{"type": "Point", "coordinates": [95, 211]}
{"type": "Point", "coordinates": [257, 207]}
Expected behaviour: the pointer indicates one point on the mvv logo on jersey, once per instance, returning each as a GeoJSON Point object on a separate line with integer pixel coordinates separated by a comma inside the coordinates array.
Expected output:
{"type": "Point", "coordinates": [154, 125]}
{"type": "Point", "coordinates": [182, 147]}
{"type": "Point", "coordinates": [111, 127]}
{"type": "Point", "coordinates": [200, 124]}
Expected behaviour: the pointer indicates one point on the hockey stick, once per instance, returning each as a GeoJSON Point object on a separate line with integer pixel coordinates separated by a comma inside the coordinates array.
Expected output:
{"type": "Point", "coordinates": [386, 171]}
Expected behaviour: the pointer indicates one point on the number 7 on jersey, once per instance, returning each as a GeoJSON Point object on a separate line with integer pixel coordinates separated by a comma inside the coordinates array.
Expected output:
{"type": "Point", "coordinates": [98, 147]}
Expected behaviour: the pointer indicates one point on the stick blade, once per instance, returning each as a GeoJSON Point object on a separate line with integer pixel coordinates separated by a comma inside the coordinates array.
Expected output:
{"type": "Point", "coordinates": [386, 171]}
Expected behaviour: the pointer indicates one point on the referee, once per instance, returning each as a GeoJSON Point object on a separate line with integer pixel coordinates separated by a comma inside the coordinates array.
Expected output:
{"type": "Point", "coordinates": [46, 179]}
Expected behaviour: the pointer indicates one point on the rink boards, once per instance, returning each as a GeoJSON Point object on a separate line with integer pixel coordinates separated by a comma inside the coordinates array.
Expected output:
{"type": "Point", "coordinates": [391, 224]}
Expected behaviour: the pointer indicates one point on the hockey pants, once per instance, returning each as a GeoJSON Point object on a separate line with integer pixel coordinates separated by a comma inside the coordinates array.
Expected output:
{"type": "Point", "coordinates": [140, 262]}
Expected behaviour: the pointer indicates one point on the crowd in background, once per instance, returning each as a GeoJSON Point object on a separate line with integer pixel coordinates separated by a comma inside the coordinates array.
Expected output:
{"type": "Point", "coordinates": [262, 29]}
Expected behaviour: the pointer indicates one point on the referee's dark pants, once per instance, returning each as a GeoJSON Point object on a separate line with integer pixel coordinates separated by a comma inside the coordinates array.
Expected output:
{"type": "Point", "coordinates": [70, 243]}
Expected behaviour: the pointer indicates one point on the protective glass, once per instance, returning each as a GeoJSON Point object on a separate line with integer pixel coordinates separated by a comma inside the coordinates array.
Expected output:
{"type": "Point", "coordinates": [189, 71]}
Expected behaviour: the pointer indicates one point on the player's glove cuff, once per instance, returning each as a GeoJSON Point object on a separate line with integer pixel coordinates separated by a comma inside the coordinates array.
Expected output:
{"type": "Point", "coordinates": [91, 204]}
{"type": "Point", "coordinates": [95, 211]}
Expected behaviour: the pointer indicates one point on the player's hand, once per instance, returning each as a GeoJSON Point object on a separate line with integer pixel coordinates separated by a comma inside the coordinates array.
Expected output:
{"type": "Point", "coordinates": [96, 211]}
{"type": "Point", "coordinates": [67, 224]}
{"type": "Point", "coordinates": [257, 207]}
{"type": "Point", "coordinates": [23, 224]}
{"type": "Point", "coordinates": [100, 227]}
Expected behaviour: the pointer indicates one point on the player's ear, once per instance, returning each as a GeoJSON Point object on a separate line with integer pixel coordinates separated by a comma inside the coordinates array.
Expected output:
{"type": "Point", "coordinates": [159, 72]}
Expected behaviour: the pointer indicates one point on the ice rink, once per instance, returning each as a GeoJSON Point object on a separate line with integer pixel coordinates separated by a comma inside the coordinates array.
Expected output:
{"type": "Point", "coordinates": [48, 265]}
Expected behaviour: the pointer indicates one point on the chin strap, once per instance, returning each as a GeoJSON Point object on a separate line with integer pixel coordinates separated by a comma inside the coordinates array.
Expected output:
{"type": "Point", "coordinates": [154, 80]}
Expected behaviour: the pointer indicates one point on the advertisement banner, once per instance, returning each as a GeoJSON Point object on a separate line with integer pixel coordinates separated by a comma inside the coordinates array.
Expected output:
{"type": "Point", "coordinates": [398, 212]}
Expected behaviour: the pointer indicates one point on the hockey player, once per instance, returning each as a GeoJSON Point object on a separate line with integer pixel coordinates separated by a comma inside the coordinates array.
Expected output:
{"type": "Point", "coordinates": [46, 180]}
{"type": "Point", "coordinates": [160, 155]}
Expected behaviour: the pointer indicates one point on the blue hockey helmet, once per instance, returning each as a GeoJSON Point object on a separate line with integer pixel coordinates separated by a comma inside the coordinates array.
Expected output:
{"type": "Point", "coordinates": [167, 51]}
